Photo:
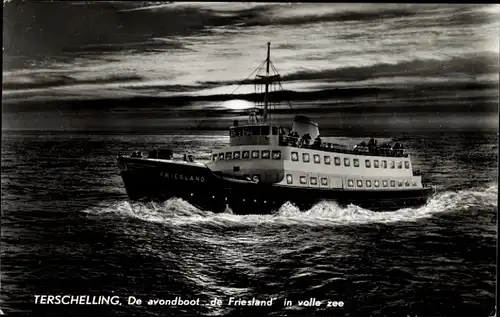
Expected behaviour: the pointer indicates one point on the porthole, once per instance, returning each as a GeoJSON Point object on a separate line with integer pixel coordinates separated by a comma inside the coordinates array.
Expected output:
{"type": "Point", "coordinates": [303, 180]}
{"type": "Point", "coordinates": [350, 183]}
{"type": "Point", "coordinates": [359, 183]}
{"type": "Point", "coordinates": [367, 163]}
{"type": "Point", "coordinates": [305, 157]}
{"type": "Point", "coordinates": [289, 179]}
{"type": "Point", "coordinates": [355, 162]}
{"type": "Point", "coordinates": [295, 156]}
{"type": "Point", "coordinates": [256, 178]}
{"type": "Point", "coordinates": [337, 161]}
{"type": "Point", "coordinates": [347, 162]}
{"type": "Point", "coordinates": [314, 181]}
{"type": "Point", "coordinates": [368, 183]}
{"type": "Point", "coordinates": [327, 160]}
{"type": "Point", "coordinates": [376, 164]}
{"type": "Point", "coordinates": [376, 183]}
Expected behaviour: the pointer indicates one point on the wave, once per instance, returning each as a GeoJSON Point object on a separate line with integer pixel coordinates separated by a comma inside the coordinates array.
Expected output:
{"type": "Point", "coordinates": [177, 212]}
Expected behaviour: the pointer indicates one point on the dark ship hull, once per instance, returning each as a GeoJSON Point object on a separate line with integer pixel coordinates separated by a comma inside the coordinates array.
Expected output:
{"type": "Point", "coordinates": [159, 180]}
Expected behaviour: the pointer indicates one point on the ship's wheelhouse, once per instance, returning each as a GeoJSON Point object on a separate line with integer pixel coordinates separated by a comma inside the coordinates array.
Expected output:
{"type": "Point", "coordinates": [256, 134]}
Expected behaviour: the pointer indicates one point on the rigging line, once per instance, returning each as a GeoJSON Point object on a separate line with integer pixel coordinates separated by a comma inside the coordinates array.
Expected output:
{"type": "Point", "coordinates": [279, 82]}
{"type": "Point", "coordinates": [242, 82]}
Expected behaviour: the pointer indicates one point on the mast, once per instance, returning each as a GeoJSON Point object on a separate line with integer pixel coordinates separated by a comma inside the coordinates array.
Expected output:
{"type": "Point", "coordinates": [267, 82]}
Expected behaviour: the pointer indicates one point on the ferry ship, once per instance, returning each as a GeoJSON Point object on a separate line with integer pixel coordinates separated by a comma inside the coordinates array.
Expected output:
{"type": "Point", "coordinates": [266, 165]}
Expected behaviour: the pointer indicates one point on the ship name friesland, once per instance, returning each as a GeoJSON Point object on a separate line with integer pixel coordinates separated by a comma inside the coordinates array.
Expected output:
{"type": "Point", "coordinates": [191, 178]}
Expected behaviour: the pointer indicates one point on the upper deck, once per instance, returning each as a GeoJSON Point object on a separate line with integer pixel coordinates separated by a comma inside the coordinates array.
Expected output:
{"type": "Point", "coordinates": [274, 135]}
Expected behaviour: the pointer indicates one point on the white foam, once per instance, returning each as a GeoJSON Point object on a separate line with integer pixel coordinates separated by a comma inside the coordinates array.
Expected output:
{"type": "Point", "coordinates": [176, 211]}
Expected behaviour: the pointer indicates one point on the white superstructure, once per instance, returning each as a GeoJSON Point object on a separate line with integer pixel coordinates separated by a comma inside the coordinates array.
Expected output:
{"type": "Point", "coordinates": [270, 154]}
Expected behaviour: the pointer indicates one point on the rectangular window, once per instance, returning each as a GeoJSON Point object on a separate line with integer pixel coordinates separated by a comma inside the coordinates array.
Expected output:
{"type": "Point", "coordinates": [246, 154]}
{"type": "Point", "coordinates": [289, 179]}
{"type": "Point", "coordinates": [359, 183]}
{"type": "Point", "coordinates": [255, 154]}
{"type": "Point", "coordinates": [407, 183]}
{"type": "Point", "coordinates": [239, 132]}
{"type": "Point", "coordinates": [384, 164]}
{"type": "Point", "coordinates": [400, 183]}
{"type": "Point", "coordinates": [376, 183]}
{"type": "Point", "coordinates": [255, 130]}
{"type": "Point", "coordinates": [327, 160]}
{"type": "Point", "coordinates": [355, 162]}
{"type": "Point", "coordinates": [407, 164]}
{"type": "Point", "coordinates": [232, 133]}
{"type": "Point", "coordinates": [367, 163]}
{"type": "Point", "coordinates": [350, 183]}
{"type": "Point", "coordinates": [236, 168]}
{"type": "Point", "coordinates": [276, 155]}
{"type": "Point", "coordinates": [236, 155]}
{"type": "Point", "coordinates": [256, 178]}
{"type": "Point", "coordinates": [368, 183]}
{"type": "Point", "coordinates": [314, 180]}
{"type": "Point", "coordinates": [266, 154]}
{"type": "Point", "coordinates": [295, 156]}
{"type": "Point", "coordinates": [229, 155]}
{"type": "Point", "coordinates": [303, 180]}
{"type": "Point", "coordinates": [393, 183]}
{"type": "Point", "coordinates": [400, 165]}
{"type": "Point", "coordinates": [214, 157]}
{"type": "Point", "coordinates": [337, 161]}
{"type": "Point", "coordinates": [391, 164]}
{"type": "Point", "coordinates": [305, 157]}
{"type": "Point", "coordinates": [317, 159]}
{"type": "Point", "coordinates": [346, 161]}
{"type": "Point", "coordinates": [221, 156]}
{"type": "Point", "coordinates": [385, 183]}
{"type": "Point", "coordinates": [275, 130]}
{"type": "Point", "coordinates": [246, 131]}
{"type": "Point", "coordinates": [264, 130]}
{"type": "Point", "coordinates": [376, 164]}
{"type": "Point", "coordinates": [324, 181]}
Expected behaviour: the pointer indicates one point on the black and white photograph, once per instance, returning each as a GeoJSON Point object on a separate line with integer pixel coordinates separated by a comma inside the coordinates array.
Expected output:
{"type": "Point", "coordinates": [164, 158]}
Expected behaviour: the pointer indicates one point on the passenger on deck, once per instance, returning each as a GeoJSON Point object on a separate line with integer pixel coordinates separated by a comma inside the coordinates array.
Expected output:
{"type": "Point", "coordinates": [306, 139]}
{"type": "Point", "coordinates": [372, 144]}
{"type": "Point", "coordinates": [317, 142]}
{"type": "Point", "coordinates": [293, 138]}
